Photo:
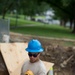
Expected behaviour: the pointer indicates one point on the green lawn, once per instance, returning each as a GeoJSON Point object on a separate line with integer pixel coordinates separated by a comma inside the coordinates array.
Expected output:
{"type": "Point", "coordinates": [54, 31]}
{"type": "Point", "coordinates": [40, 29]}
{"type": "Point", "coordinates": [22, 22]}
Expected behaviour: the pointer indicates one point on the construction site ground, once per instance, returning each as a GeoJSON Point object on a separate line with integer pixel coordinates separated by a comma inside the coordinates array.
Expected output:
{"type": "Point", "coordinates": [61, 52]}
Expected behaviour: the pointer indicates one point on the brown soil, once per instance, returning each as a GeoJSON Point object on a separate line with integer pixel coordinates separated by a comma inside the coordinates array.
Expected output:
{"type": "Point", "coordinates": [59, 51]}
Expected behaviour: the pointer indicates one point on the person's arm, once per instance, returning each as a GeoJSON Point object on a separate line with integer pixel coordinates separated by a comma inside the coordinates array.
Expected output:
{"type": "Point", "coordinates": [22, 70]}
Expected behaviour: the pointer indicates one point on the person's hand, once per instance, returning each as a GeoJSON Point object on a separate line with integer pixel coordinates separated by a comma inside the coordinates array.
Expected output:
{"type": "Point", "coordinates": [29, 72]}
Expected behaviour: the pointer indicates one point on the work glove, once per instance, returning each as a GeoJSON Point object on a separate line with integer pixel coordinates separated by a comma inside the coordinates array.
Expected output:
{"type": "Point", "coordinates": [29, 72]}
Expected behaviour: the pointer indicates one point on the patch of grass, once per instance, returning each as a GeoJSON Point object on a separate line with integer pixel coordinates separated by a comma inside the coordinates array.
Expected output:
{"type": "Point", "coordinates": [21, 22]}
{"type": "Point", "coordinates": [40, 29]}
{"type": "Point", "coordinates": [46, 31]}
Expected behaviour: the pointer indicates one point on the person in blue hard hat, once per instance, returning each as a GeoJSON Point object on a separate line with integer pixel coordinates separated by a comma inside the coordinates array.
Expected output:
{"type": "Point", "coordinates": [34, 66]}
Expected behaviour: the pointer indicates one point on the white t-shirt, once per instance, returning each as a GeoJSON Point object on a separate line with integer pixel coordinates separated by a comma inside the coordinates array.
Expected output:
{"type": "Point", "coordinates": [38, 68]}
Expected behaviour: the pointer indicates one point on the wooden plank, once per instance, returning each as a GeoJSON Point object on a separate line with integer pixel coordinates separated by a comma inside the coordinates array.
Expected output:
{"type": "Point", "coordinates": [17, 71]}
{"type": "Point", "coordinates": [48, 65]}
{"type": "Point", "coordinates": [14, 54]}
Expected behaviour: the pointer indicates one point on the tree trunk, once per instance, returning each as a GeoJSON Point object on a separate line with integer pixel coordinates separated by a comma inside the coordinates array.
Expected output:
{"type": "Point", "coordinates": [74, 17]}
{"type": "Point", "coordinates": [3, 15]}
{"type": "Point", "coordinates": [61, 22]}
{"type": "Point", "coordinates": [64, 23]}
{"type": "Point", "coordinates": [71, 22]}
{"type": "Point", "coordinates": [5, 10]}
{"type": "Point", "coordinates": [74, 27]}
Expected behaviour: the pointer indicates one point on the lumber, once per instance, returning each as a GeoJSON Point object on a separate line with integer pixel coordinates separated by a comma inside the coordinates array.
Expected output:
{"type": "Point", "coordinates": [13, 54]}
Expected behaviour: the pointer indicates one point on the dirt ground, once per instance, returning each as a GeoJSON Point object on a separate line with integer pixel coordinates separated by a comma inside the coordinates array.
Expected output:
{"type": "Point", "coordinates": [61, 52]}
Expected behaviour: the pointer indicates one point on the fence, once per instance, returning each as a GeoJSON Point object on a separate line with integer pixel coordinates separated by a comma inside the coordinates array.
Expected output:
{"type": "Point", "coordinates": [4, 30]}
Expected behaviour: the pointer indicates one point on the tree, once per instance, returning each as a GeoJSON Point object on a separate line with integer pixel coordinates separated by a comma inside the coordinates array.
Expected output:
{"type": "Point", "coordinates": [70, 5]}
{"type": "Point", "coordinates": [5, 6]}
{"type": "Point", "coordinates": [31, 7]}
{"type": "Point", "coordinates": [67, 6]}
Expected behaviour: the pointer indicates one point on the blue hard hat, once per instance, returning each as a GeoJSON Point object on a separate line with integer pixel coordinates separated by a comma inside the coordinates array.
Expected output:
{"type": "Point", "coordinates": [34, 46]}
